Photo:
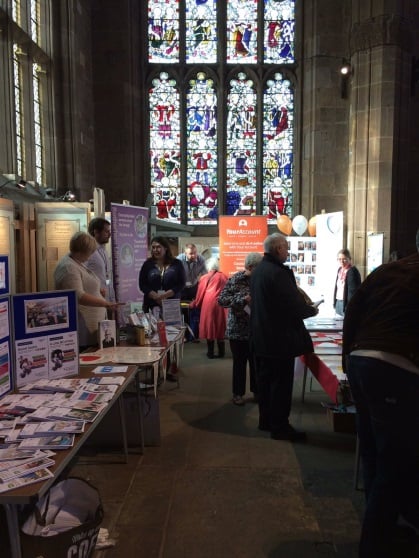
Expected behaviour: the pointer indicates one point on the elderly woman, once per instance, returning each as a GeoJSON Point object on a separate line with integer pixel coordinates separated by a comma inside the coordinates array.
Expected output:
{"type": "Point", "coordinates": [236, 297]}
{"type": "Point", "coordinates": [212, 323]}
{"type": "Point", "coordinates": [71, 273]}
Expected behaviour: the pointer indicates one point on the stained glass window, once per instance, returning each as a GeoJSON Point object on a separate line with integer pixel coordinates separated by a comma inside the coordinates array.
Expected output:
{"type": "Point", "coordinates": [38, 132]}
{"type": "Point", "coordinates": [278, 144]}
{"type": "Point", "coordinates": [35, 20]}
{"type": "Point", "coordinates": [241, 139]}
{"type": "Point", "coordinates": [222, 115]}
{"type": "Point", "coordinates": [278, 42]}
{"type": "Point", "coordinates": [163, 31]}
{"type": "Point", "coordinates": [202, 159]}
{"type": "Point", "coordinates": [242, 31]}
{"type": "Point", "coordinates": [165, 147]}
{"type": "Point", "coordinates": [17, 87]}
{"type": "Point", "coordinates": [201, 31]}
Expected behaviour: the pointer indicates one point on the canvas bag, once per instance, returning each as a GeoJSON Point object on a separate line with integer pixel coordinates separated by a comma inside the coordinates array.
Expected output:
{"type": "Point", "coordinates": [64, 523]}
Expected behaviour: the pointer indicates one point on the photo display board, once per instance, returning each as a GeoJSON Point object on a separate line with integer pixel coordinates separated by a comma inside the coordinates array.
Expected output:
{"type": "Point", "coordinates": [4, 275]}
{"type": "Point", "coordinates": [45, 335]}
{"type": "Point", "coordinates": [6, 360]}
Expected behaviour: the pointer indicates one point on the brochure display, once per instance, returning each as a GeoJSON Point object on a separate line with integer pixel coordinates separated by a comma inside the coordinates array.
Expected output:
{"type": "Point", "coordinates": [45, 335]}
{"type": "Point", "coordinates": [5, 346]}
{"type": "Point", "coordinates": [4, 275]}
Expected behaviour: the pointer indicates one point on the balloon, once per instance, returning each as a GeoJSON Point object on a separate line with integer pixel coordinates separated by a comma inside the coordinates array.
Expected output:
{"type": "Point", "coordinates": [284, 224]}
{"type": "Point", "coordinates": [312, 226]}
{"type": "Point", "coordinates": [299, 224]}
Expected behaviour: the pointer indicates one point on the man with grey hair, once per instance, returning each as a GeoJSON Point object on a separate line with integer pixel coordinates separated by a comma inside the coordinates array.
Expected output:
{"type": "Point", "coordinates": [278, 335]}
{"type": "Point", "coordinates": [381, 359]}
{"type": "Point", "coordinates": [194, 266]}
{"type": "Point", "coordinates": [236, 297]}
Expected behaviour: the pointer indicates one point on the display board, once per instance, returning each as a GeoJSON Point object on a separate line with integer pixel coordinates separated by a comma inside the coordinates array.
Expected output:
{"type": "Point", "coordinates": [302, 259]}
{"type": "Point", "coordinates": [4, 275]}
{"type": "Point", "coordinates": [375, 251]}
{"type": "Point", "coordinates": [56, 223]}
{"type": "Point", "coordinates": [45, 335]}
{"type": "Point", "coordinates": [7, 238]}
{"type": "Point", "coordinates": [129, 250]}
{"type": "Point", "coordinates": [6, 359]}
{"type": "Point", "coordinates": [238, 237]}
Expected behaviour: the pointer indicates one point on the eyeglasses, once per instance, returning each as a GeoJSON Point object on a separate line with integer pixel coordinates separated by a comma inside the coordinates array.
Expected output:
{"type": "Point", "coordinates": [343, 260]}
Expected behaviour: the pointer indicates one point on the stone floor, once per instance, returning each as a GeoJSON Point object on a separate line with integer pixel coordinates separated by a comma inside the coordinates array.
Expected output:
{"type": "Point", "coordinates": [216, 486]}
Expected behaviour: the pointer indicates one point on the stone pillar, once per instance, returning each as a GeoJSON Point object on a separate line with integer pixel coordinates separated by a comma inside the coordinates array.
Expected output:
{"type": "Point", "coordinates": [380, 60]}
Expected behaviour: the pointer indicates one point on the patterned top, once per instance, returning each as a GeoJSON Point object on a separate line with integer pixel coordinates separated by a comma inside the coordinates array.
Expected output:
{"type": "Point", "coordinates": [233, 297]}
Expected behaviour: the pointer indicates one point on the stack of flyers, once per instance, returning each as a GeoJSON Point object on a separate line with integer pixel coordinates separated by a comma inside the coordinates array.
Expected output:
{"type": "Point", "coordinates": [106, 380]}
{"type": "Point", "coordinates": [37, 429]}
{"type": "Point", "coordinates": [6, 427]}
{"type": "Point", "coordinates": [93, 397]}
{"type": "Point", "coordinates": [63, 385]}
{"type": "Point", "coordinates": [28, 478]}
{"type": "Point", "coordinates": [81, 411]}
{"type": "Point", "coordinates": [11, 454]}
{"type": "Point", "coordinates": [63, 441]}
{"type": "Point", "coordinates": [94, 388]}
{"type": "Point", "coordinates": [19, 469]}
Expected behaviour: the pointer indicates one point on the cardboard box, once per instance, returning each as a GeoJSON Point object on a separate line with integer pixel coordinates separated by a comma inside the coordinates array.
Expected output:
{"type": "Point", "coordinates": [341, 421]}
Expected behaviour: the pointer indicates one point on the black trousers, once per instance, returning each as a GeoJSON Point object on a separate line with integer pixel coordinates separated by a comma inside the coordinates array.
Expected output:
{"type": "Point", "coordinates": [240, 349]}
{"type": "Point", "coordinates": [275, 379]}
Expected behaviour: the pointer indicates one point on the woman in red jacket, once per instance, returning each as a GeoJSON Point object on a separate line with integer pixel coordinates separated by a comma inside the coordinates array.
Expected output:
{"type": "Point", "coordinates": [213, 319]}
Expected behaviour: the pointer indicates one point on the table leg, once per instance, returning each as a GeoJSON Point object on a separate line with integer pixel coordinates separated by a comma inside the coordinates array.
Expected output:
{"type": "Point", "coordinates": [140, 408]}
{"type": "Point", "coordinates": [14, 531]}
{"type": "Point", "coordinates": [303, 392]}
{"type": "Point", "coordinates": [123, 426]}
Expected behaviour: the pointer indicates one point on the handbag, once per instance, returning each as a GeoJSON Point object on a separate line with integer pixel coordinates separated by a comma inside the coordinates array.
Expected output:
{"type": "Point", "coordinates": [64, 523]}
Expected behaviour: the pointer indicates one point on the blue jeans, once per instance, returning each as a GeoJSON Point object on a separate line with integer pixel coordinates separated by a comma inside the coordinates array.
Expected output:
{"type": "Point", "coordinates": [387, 402]}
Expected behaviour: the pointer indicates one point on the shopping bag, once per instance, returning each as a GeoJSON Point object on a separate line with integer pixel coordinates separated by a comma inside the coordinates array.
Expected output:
{"type": "Point", "coordinates": [64, 523]}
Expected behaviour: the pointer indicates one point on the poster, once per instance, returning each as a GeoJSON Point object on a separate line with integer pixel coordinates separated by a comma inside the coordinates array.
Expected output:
{"type": "Point", "coordinates": [45, 335]}
{"type": "Point", "coordinates": [238, 236]}
{"type": "Point", "coordinates": [6, 370]}
{"type": "Point", "coordinates": [129, 250]}
{"type": "Point", "coordinates": [302, 259]}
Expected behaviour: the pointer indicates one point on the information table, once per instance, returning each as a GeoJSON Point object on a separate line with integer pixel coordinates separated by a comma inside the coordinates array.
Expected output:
{"type": "Point", "coordinates": [31, 493]}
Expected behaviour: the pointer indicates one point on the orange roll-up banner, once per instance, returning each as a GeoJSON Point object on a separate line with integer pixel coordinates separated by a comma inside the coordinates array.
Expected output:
{"type": "Point", "coordinates": [239, 236]}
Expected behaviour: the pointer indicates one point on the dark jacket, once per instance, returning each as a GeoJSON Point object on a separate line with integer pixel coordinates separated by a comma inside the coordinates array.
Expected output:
{"type": "Point", "coordinates": [151, 279]}
{"type": "Point", "coordinates": [383, 314]}
{"type": "Point", "coordinates": [277, 310]}
{"type": "Point", "coordinates": [352, 282]}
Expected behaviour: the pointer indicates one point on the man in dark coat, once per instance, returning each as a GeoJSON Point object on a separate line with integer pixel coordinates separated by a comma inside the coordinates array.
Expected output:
{"type": "Point", "coordinates": [278, 335]}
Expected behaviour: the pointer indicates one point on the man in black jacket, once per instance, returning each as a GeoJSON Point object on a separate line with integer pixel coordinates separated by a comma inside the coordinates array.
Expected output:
{"type": "Point", "coordinates": [278, 335]}
{"type": "Point", "coordinates": [381, 359]}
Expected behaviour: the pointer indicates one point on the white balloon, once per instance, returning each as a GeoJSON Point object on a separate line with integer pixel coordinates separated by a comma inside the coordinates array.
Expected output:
{"type": "Point", "coordinates": [299, 224]}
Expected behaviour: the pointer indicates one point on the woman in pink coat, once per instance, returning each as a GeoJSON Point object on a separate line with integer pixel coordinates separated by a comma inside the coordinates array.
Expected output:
{"type": "Point", "coordinates": [213, 319]}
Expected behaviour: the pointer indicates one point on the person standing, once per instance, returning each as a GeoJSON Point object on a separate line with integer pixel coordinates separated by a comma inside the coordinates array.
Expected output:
{"type": "Point", "coordinates": [347, 281]}
{"type": "Point", "coordinates": [72, 273]}
{"type": "Point", "coordinates": [161, 276]}
{"type": "Point", "coordinates": [381, 360]}
{"type": "Point", "coordinates": [194, 266]}
{"type": "Point", "coordinates": [277, 336]}
{"type": "Point", "coordinates": [212, 324]}
{"type": "Point", "coordinates": [236, 297]}
{"type": "Point", "coordinates": [99, 262]}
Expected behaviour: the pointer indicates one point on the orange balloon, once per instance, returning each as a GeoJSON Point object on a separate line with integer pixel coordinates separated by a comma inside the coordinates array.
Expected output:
{"type": "Point", "coordinates": [312, 225]}
{"type": "Point", "coordinates": [284, 224]}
